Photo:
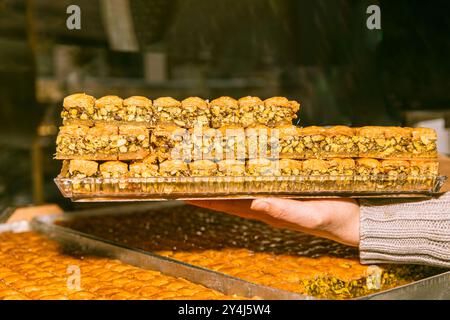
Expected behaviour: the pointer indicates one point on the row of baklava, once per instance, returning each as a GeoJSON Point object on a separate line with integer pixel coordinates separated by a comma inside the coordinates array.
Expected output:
{"type": "Point", "coordinates": [169, 142]}
{"type": "Point", "coordinates": [84, 109]}
{"type": "Point", "coordinates": [35, 268]}
{"type": "Point", "coordinates": [79, 169]}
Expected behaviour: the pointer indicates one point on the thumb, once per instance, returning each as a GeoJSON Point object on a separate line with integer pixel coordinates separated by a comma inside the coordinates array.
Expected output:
{"type": "Point", "coordinates": [301, 213]}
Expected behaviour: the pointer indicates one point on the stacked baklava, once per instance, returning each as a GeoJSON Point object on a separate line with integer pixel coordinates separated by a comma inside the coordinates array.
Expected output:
{"type": "Point", "coordinates": [140, 138]}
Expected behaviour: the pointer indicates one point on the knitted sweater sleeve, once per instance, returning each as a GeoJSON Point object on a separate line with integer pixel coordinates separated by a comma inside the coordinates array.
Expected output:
{"type": "Point", "coordinates": [405, 231]}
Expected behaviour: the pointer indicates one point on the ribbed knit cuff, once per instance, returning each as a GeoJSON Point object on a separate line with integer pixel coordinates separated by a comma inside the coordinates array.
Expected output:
{"type": "Point", "coordinates": [405, 231]}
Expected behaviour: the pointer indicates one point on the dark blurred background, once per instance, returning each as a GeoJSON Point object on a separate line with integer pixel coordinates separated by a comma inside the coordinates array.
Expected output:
{"type": "Point", "coordinates": [319, 52]}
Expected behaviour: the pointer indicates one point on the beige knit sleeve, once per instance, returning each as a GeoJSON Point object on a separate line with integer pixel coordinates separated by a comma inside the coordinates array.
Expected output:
{"type": "Point", "coordinates": [405, 231]}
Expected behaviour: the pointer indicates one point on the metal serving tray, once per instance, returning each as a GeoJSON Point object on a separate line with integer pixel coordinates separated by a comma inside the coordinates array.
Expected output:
{"type": "Point", "coordinates": [189, 188]}
{"type": "Point", "coordinates": [436, 287]}
{"type": "Point", "coordinates": [211, 279]}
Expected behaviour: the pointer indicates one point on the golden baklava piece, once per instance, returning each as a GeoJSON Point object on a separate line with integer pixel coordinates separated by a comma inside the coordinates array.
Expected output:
{"type": "Point", "coordinates": [231, 168]}
{"type": "Point", "coordinates": [262, 167]}
{"type": "Point", "coordinates": [319, 142]}
{"type": "Point", "coordinates": [114, 169]}
{"type": "Point", "coordinates": [224, 111]}
{"type": "Point", "coordinates": [289, 167]}
{"type": "Point", "coordinates": [316, 167]}
{"type": "Point", "coordinates": [141, 169]}
{"type": "Point", "coordinates": [69, 141]}
{"type": "Point", "coordinates": [100, 142]}
{"type": "Point", "coordinates": [341, 167]}
{"type": "Point", "coordinates": [195, 112]}
{"type": "Point", "coordinates": [168, 110]}
{"type": "Point", "coordinates": [78, 109]}
{"type": "Point", "coordinates": [423, 143]}
{"type": "Point", "coordinates": [203, 168]}
{"type": "Point", "coordinates": [376, 174]}
{"type": "Point", "coordinates": [231, 143]}
{"type": "Point", "coordinates": [249, 108]}
{"type": "Point", "coordinates": [426, 168]}
{"type": "Point", "coordinates": [290, 144]}
{"type": "Point", "coordinates": [277, 111]}
{"type": "Point", "coordinates": [170, 142]}
{"type": "Point", "coordinates": [173, 168]}
{"type": "Point", "coordinates": [134, 142]}
{"type": "Point", "coordinates": [204, 143]}
{"type": "Point", "coordinates": [340, 141]}
{"type": "Point", "coordinates": [107, 109]}
{"type": "Point", "coordinates": [368, 167]}
{"type": "Point", "coordinates": [262, 142]}
{"type": "Point", "coordinates": [79, 169]}
{"type": "Point", "coordinates": [395, 168]}
{"type": "Point", "coordinates": [396, 142]}
{"type": "Point", "coordinates": [138, 110]}
{"type": "Point", "coordinates": [316, 142]}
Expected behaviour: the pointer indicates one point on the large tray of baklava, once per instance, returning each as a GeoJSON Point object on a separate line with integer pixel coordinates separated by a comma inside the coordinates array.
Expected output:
{"type": "Point", "coordinates": [237, 257]}
{"type": "Point", "coordinates": [139, 149]}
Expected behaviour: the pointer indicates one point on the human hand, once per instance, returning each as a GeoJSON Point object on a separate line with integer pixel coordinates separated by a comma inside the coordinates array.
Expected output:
{"type": "Point", "coordinates": [335, 219]}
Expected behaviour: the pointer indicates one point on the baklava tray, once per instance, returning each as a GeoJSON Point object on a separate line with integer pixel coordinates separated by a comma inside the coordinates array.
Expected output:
{"type": "Point", "coordinates": [247, 187]}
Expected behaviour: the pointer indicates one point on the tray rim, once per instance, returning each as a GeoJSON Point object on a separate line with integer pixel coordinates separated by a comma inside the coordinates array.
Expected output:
{"type": "Point", "coordinates": [65, 185]}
